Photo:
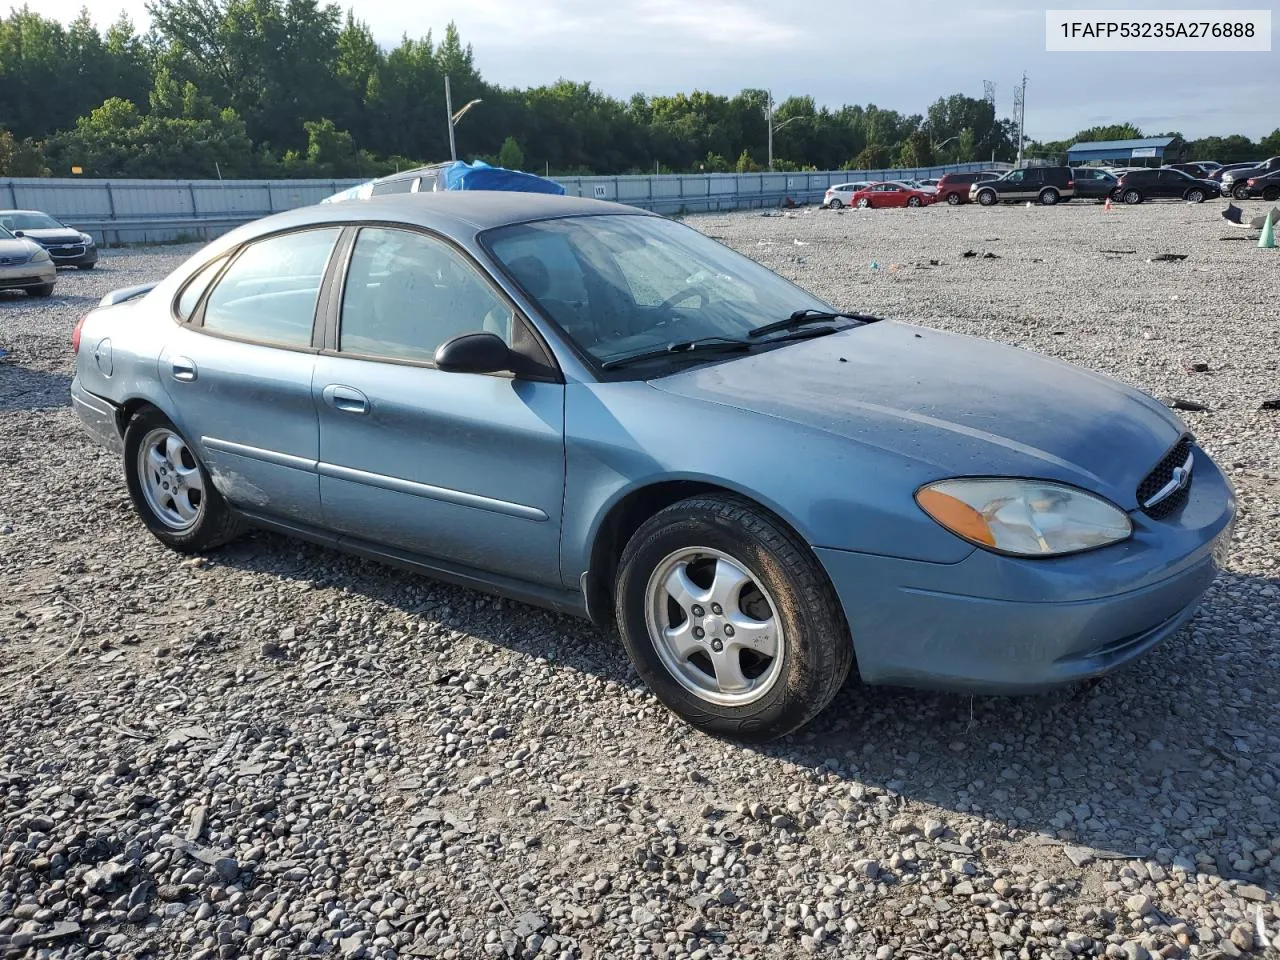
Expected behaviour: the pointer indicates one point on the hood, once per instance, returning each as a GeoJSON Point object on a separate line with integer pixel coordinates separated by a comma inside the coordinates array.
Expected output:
{"type": "Point", "coordinates": [961, 405]}
{"type": "Point", "coordinates": [19, 248]}
{"type": "Point", "coordinates": [50, 235]}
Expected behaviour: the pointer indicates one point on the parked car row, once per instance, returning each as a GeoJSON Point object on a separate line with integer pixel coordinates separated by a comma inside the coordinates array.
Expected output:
{"type": "Point", "coordinates": [32, 247]}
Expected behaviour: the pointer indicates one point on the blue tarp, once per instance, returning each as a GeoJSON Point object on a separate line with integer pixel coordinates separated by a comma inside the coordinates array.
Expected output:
{"type": "Point", "coordinates": [481, 176]}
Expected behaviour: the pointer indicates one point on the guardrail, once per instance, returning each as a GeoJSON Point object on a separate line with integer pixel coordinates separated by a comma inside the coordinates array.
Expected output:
{"type": "Point", "coordinates": [148, 211]}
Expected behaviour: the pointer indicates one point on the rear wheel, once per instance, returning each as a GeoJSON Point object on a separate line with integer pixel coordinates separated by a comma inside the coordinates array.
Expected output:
{"type": "Point", "coordinates": [1271, 193]}
{"type": "Point", "coordinates": [730, 620]}
{"type": "Point", "coordinates": [1241, 192]}
{"type": "Point", "coordinates": [835, 203]}
{"type": "Point", "coordinates": [953, 199]}
{"type": "Point", "coordinates": [44, 290]}
{"type": "Point", "coordinates": [1049, 196]}
{"type": "Point", "coordinates": [1131, 197]}
{"type": "Point", "coordinates": [170, 488]}
{"type": "Point", "coordinates": [987, 198]}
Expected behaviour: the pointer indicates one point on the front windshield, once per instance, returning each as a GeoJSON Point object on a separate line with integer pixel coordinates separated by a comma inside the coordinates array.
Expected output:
{"type": "Point", "coordinates": [621, 284]}
{"type": "Point", "coordinates": [6, 235]}
{"type": "Point", "coordinates": [28, 221]}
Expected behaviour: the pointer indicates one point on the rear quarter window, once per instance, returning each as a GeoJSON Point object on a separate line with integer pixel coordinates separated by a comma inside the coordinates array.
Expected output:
{"type": "Point", "coordinates": [194, 289]}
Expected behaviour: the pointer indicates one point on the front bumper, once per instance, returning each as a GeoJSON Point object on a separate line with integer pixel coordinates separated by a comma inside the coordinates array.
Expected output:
{"type": "Point", "coordinates": [76, 255]}
{"type": "Point", "coordinates": [20, 276]}
{"type": "Point", "coordinates": [97, 416]}
{"type": "Point", "coordinates": [1000, 625]}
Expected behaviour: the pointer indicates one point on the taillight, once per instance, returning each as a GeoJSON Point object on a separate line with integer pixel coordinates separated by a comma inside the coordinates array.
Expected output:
{"type": "Point", "coordinates": [1070, 184]}
{"type": "Point", "coordinates": [75, 334]}
{"type": "Point", "coordinates": [1252, 181]}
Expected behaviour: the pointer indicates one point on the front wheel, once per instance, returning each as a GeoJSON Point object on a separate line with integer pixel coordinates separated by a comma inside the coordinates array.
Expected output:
{"type": "Point", "coordinates": [953, 199]}
{"type": "Point", "coordinates": [863, 203]}
{"type": "Point", "coordinates": [86, 266]}
{"type": "Point", "coordinates": [987, 198]}
{"type": "Point", "coordinates": [1194, 196]}
{"type": "Point", "coordinates": [44, 290]}
{"type": "Point", "coordinates": [1131, 197]}
{"type": "Point", "coordinates": [913, 201]}
{"type": "Point", "coordinates": [170, 488]}
{"type": "Point", "coordinates": [1049, 197]}
{"type": "Point", "coordinates": [730, 620]}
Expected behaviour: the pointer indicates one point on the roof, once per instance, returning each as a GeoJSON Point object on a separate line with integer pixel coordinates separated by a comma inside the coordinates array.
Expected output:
{"type": "Point", "coordinates": [457, 214]}
{"type": "Point", "coordinates": [1121, 144]}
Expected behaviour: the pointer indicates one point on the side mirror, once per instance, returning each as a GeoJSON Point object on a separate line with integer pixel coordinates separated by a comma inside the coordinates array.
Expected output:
{"type": "Point", "coordinates": [474, 353]}
{"type": "Point", "coordinates": [19, 234]}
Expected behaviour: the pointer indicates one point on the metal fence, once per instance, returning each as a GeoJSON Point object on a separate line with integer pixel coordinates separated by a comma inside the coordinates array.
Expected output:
{"type": "Point", "coordinates": [148, 211]}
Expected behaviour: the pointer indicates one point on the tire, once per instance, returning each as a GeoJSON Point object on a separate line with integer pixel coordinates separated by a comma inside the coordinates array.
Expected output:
{"type": "Point", "coordinates": [189, 525]}
{"type": "Point", "coordinates": [1131, 197]}
{"type": "Point", "coordinates": [953, 199]}
{"type": "Point", "coordinates": [727, 547]}
{"type": "Point", "coordinates": [1194, 195]}
{"type": "Point", "coordinates": [1049, 196]}
{"type": "Point", "coordinates": [86, 266]}
{"type": "Point", "coordinates": [987, 198]}
{"type": "Point", "coordinates": [835, 203]}
{"type": "Point", "coordinates": [1241, 192]}
{"type": "Point", "coordinates": [913, 201]}
{"type": "Point", "coordinates": [1271, 194]}
{"type": "Point", "coordinates": [864, 203]}
{"type": "Point", "coordinates": [44, 290]}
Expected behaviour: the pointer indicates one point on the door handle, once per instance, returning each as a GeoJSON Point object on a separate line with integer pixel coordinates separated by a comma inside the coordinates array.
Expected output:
{"type": "Point", "coordinates": [346, 399]}
{"type": "Point", "coordinates": [183, 369]}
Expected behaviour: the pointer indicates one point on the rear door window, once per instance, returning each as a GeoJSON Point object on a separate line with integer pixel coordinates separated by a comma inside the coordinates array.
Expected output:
{"type": "Point", "coordinates": [269, 292]}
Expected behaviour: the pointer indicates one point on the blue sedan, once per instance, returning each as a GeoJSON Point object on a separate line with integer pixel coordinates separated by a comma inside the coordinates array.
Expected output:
{"type": "Point", "coordinates": [589, 407]}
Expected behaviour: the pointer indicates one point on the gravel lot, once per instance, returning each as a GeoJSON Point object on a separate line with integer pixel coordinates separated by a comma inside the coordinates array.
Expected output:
{"type": "Point", "coordinates": [279, 751]}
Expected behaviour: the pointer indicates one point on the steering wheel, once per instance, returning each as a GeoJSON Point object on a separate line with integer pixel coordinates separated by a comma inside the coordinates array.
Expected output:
{"type": "Point", "coordinates": [680, 296]}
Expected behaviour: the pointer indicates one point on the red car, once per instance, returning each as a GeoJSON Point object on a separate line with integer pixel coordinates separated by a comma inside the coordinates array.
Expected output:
{"type": "Point", "coordinates": [891, 194]}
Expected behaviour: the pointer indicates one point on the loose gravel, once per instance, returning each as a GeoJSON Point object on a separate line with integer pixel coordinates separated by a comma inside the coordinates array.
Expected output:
{"type": "Point", "coordinates": [279, 751]}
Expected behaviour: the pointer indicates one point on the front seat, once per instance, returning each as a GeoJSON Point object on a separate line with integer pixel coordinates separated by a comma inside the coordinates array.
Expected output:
{"type": "Point", "coordinates": [532, 274]}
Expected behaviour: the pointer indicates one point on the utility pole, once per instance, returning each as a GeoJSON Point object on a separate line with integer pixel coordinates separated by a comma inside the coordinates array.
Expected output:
{"type": "Point", "coordinates": [768, 116]}
{"type": "Point", "coordinates": [448, 106]}
{"type": "Point", "coordinates": [1020, 108]}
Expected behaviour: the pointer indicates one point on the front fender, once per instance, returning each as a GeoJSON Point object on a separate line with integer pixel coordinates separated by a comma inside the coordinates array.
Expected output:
{"type": "Point", "coordinates": [834, 492]}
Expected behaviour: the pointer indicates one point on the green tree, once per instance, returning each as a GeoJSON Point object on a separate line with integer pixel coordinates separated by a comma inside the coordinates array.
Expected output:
{"type": "Point", "coordinates": [511, 156]}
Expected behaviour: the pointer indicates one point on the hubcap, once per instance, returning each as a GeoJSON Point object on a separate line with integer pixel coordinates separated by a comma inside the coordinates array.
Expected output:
{"type": "Point", "coordinates": [714, 627]}
{"type": "Point", "coordinates": [170, 479]}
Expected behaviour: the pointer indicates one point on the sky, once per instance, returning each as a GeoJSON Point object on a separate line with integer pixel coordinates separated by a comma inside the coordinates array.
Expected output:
{"type": "Point", "coordinates": [900, 56]}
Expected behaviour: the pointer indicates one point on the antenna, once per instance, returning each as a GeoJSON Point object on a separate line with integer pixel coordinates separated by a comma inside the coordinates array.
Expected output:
{"type": "Point", "coordinates": [989, 92]}
{"type": "Point", "coordinates": [1020, 112]}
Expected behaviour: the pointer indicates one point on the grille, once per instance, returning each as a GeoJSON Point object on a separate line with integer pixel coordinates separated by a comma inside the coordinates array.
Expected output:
{"type": "Point", "coordinates": [68, 251]}
{"type": "Point", "coordinates": [1156, 480]}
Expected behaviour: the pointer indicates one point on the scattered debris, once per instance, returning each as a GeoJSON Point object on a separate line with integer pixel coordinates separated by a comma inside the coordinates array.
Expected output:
{"type": "Point", "coordinates": [1199, 368]}
{"type": "Point", "coordinates": [1260, 222]}
{"type": "Point", "coordinates": [1233, 214]}
{"type": "Point", "coordinates": [1193, 405]}
{"type": "Point", "coordinates": [1270, 405]}
{"type": "Point", "coordinates": [969, 253]}
{"type": "Point", "coordinates": [1117, 251]}
{"type": "Point", "coordinates": [1167, 257]}
{"type": "Point", "coordinates": [990, 256]}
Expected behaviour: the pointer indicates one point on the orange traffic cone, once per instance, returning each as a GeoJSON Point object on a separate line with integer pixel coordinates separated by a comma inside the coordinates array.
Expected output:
{"type": "Point", "coordinates": [1107, 204]}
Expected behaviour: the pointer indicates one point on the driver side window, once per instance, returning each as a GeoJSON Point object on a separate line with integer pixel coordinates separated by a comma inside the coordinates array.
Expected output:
{"type": "Point", "coordinates": [407, 293]}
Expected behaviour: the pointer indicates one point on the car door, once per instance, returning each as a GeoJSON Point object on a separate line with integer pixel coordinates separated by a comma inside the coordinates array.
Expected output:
{"type": "Point", "coordinates": [238, 371]}
{"type": "Point", "coordinates": [464, 468]}
{"type": "Point", "coordinates": [1171, 184]}
{"type": "Point", "coordinates": [1012, 186]}
{"type": "Point", "coordinates": [895, 195]}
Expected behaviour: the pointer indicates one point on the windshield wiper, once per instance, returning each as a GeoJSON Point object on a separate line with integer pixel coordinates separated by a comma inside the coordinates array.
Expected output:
{"type": "Point", "coordinates": [682, 348]}
{"type": "Point", "coordinates": [803, 317]}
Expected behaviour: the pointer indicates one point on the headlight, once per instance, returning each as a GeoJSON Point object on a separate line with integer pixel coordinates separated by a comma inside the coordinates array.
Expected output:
{"type": "Point", "coordinates": [1027, 518]}
{"type": "Point", "coordinates": [41, 256]}
{"type": "Point", "coordinates": [86, 240]}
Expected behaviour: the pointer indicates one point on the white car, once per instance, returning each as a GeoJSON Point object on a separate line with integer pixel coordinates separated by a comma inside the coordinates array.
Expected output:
{"type": "Point", "coordinates": [25, 265]}
{"type": "Point", "coordinates": [841, 194]}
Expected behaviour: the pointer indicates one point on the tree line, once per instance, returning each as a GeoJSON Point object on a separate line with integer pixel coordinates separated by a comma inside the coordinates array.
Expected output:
{"type": "Point", "coordinates": [297, 88]}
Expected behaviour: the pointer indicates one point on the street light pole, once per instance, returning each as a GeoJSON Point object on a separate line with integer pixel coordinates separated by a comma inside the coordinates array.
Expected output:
{"type": "Point", "coordinates": [454, 117]}
{"type": "Point", "coordinates": [448, 106]}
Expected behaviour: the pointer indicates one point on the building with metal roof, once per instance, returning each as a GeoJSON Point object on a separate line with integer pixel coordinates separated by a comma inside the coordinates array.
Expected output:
{"type": "Point", "coordinates": [1150, 151]}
